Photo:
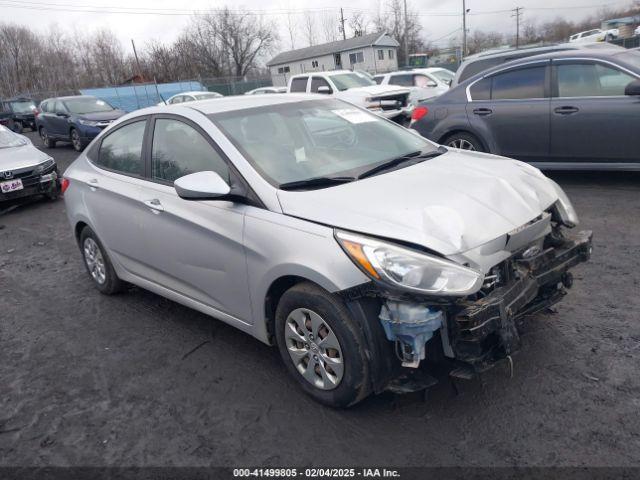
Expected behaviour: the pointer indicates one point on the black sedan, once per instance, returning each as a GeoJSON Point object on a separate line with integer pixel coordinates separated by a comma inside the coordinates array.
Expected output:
{"type": "Point", "coordinates": [571, 109]}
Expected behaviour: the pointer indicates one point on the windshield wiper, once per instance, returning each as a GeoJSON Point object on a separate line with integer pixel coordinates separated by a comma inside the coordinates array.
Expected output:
{"type": "Point", "coordinates": [315, 182]}
{"type": "Point", "coordinates": [413, 157]}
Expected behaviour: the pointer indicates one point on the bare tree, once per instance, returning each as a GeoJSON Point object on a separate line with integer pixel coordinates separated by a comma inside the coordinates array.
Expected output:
{"type": "Point", "coordinates": [358, 23]}
{"type": "Point", "coordinates": [329, 26]}
{"type": "Point", "coordinates": [309, 28]}
{"type": "Point", "coordinates": [390, 19]}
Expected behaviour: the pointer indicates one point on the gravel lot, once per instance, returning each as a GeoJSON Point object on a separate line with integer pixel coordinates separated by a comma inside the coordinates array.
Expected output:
{"type": "Point", "coordinates": [92, 380]}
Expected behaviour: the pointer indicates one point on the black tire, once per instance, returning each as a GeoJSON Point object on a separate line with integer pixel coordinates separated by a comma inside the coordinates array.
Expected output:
{"type": "Point", "coordinates": [46, 140]}
{"type": "Point", "coordinates": [465, 141]}
{"type": "Point", "coordinates": [354, 385]}
{"type": "Point", "coordinates": [77, 142]}
{"type": "Point", "coordinates": [111, 284]}
{"type": "Point", "coordinates": [17, 127]}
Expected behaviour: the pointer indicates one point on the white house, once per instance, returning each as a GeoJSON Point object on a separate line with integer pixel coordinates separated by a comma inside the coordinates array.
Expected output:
{"type": "Point", "coordinates": [375, 53]}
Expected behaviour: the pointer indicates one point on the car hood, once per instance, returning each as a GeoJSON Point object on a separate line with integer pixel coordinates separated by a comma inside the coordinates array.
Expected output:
{"type": "Point", "coordinates": [449, 204]}
{"type": "Point", "coordinates": [374, 90]}
{"type": "Point", "coordinates": [15, 158]}
{"type": "Point", "coordinates": [98, 116]}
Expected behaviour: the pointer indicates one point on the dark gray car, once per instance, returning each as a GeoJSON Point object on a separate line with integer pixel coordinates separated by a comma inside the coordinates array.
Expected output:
{"type": "Point", "coordinates": [572, 109]}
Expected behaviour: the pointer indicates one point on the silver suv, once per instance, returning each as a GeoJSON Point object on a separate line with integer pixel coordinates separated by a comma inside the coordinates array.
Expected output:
{"type": "Point", "coordinates": [353, 244]}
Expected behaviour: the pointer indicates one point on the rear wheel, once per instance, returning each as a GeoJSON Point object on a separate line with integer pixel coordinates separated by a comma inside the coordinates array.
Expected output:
{"type": "Point", "coordinates": [464, 141]}
{"type": "Point", "coordinates": [17, 127]}
{"type": "Point", "coordinates": [46, 140]}
{"type": "Point", "coordinates": [322, 346]}
{"type": "Point", "coordinates": [98, 263]}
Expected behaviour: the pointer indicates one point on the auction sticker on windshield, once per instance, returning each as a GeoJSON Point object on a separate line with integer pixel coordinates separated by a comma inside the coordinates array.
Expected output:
{"type": "Point", "coordinates": [354, 115]}
{"type": "Point", "coordinates": [11, 186]}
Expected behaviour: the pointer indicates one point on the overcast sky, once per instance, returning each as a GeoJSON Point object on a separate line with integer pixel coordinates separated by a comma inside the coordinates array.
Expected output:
{"type": "Point", "coordinates": [439, 17]}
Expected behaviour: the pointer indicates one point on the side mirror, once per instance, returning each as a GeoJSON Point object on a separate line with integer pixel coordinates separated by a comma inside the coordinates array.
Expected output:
{"type": "Point", "coordinates": [324, 89]}
{"type": "Point", "coordinates": [632, 88]}
{"type": "Point", "coordinates": [201, 186]}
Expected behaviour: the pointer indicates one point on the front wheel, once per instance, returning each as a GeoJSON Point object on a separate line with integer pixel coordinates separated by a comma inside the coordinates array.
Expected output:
{"type": "Point", "coordinates": [464, 141]}
{"type": "Point", "coordinates": [322, 346]}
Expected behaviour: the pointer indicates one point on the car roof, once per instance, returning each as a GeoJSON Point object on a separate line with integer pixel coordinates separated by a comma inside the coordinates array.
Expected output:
{"type": "Point", "coordinates": [601, 53]}
{"type": "Point", "coordinates": [195, 92]}
{"type": "Point", "coordinates": [235, 102]}
{"type": "Point", "coordinates": [69, 97]}
{"type": "Point", "coordinates": [332, 72]}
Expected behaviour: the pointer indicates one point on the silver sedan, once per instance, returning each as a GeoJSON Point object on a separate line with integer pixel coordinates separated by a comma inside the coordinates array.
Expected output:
{"type": "Point", "coordinates": [353, 244]}
{"type": "Point", "coordinates": [25, 170]}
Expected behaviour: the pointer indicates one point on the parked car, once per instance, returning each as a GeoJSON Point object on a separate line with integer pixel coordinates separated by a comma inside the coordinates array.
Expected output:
{"type": "Point", "coordinates": [386, 100]}
{"type": "Point", "coordinates": [191, 97]}
{"type": "Point", "coordinates": [25, 170]}
{"type": "Point", "coordinates": [350, 242]}
{"type": "Point", "coordinates": [263, 90]}
{"type": "Point", "coordinates": [420, 85]}
{"type": "Point", "coordinates": [559, 110]}
{"type": "Point", "coordinates": [595, 35]}
{"type": "Point", "coordinates": [22, 111]}
{"type": "Point", "coordinates": [78, 120]}
{"type": "Point", "coordinates": [480, 62]}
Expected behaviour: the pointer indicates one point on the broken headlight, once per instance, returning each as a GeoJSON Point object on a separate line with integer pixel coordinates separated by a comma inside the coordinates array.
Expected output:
{"type": "Point", "coordinates": [564, 207]}
{"type": "Point", "coordinates": [409, 269]}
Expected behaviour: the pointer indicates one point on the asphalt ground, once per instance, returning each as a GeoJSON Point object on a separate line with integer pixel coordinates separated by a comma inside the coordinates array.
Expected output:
{"type": "Point", "coordinates": [137, 380]}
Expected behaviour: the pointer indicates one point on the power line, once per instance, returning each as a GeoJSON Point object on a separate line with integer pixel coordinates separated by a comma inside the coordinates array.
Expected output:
{"type": "Point", "coordinates": [123, 10]}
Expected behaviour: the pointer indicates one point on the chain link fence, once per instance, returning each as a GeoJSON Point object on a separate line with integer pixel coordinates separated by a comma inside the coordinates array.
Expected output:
{"type": "Point", "coordinates": [135, 96]}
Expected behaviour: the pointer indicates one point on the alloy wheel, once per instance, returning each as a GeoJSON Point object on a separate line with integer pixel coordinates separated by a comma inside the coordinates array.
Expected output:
{"type": "Point", "coordinates": [75, 140]}
{"type": "Point", "coordinates": [314, 349]}
{"type": "Point", "coordinates": [94, 260]}
{"type": "Point", "coordinates": [462, 144]}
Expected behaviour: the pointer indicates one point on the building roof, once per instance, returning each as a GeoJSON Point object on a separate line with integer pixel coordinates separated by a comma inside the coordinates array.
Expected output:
{"type": "Point", "coordinates": [331, 47]}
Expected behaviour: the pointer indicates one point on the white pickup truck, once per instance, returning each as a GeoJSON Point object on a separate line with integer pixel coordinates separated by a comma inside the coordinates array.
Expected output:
{"type": "Point", "coordinates": [390, 101]}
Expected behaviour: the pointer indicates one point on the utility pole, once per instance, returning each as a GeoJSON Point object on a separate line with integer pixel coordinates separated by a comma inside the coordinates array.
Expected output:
{"type": "Point", "coordinates": [135, 53]}
{"type": "Point", "coordinates": [406, 35]}
{"type": "Point", "coordinates": [464, 29]}
{"type": "Point", "coordinates": [344, 33]}
{"type": "Point", "coordinates": [517, 12]}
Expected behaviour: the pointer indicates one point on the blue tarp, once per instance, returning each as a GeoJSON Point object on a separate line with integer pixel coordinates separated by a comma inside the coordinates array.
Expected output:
{"type": "Point", "coordinates": [129, 98]}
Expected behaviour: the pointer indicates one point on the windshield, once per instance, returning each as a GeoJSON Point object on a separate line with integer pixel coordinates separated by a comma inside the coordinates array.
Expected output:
{"type": "Point", "coordinates": [630, 57]}
{"type": "Point", "coordinates": [82, 105]}
{"type": "Point", "coordinates": [26, 106]}
{"type": "Point", "coordinates": [9, 139]}
{"type": "Point", "coordinates": [298, 141]}
{"type": "Point", "coordinates": [345, 81]}
{"type": "Point", "coordinates": [203, 96]}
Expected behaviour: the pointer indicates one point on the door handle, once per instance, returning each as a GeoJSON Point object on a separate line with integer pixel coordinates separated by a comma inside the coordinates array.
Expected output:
{"type": "Point", "coordinates": [566, 110]}
{"type": "Point", "coordinates": [93, 184]}
{"type": "Point", "coordinates": [154, 205]}
{"type": "Point", "coordinates": [482, 111]}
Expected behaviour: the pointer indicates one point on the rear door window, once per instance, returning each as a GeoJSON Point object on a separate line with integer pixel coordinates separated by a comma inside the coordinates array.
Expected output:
{"type": "Point", "coordinates": [519, 84]}
{"type": "Point", "coordinates": [121, 150]}
{"type": "Point", "coordinates": [481, 90]}
{"type": "Point", "coordinates": [299, 84]}
{"type": "Point", "coordinates": [403, 80]}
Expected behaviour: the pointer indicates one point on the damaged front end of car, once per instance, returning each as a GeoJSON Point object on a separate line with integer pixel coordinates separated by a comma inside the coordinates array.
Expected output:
{"type": "Point", "coordinates": [466, 306]}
